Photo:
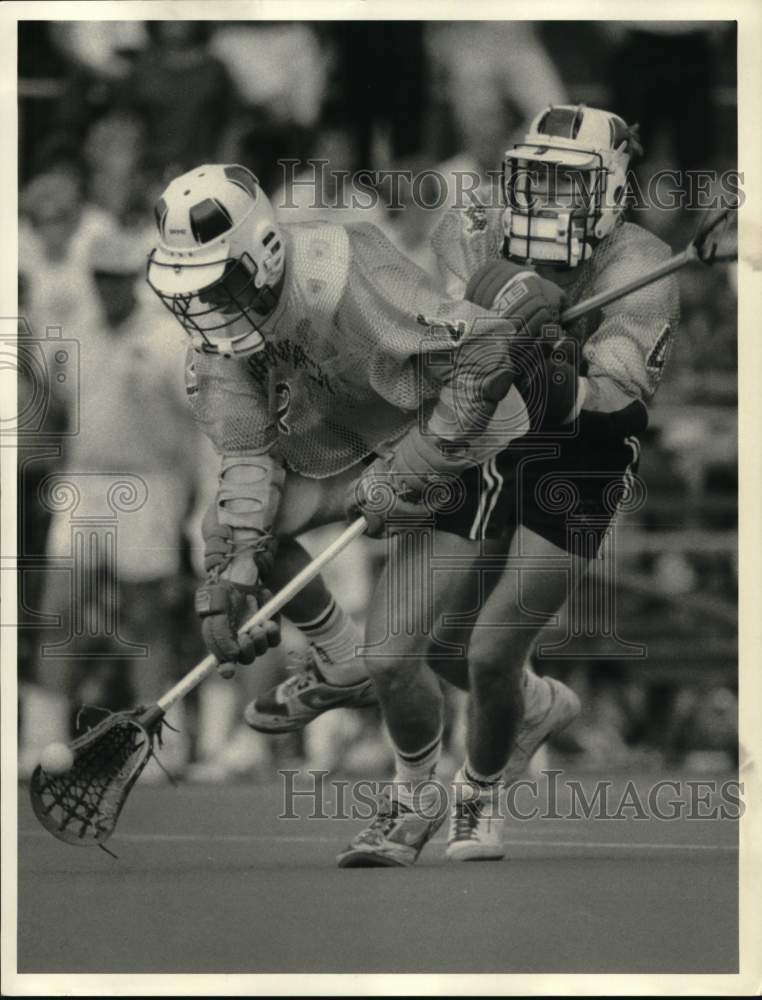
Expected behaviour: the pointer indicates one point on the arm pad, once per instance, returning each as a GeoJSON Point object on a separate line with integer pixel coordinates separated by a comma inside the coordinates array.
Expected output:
{"type": "Point", "coordinates": [248, 497]}
{"type": "Point", "coordinates": [249, 493]}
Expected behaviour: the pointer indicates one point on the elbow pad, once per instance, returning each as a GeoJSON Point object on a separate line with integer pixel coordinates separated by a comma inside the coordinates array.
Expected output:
{"type": "Point", "coordinates": [250, 489]}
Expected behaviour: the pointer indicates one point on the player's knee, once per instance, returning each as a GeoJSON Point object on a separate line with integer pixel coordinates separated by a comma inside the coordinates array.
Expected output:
{"type": "Point", "coordinates": [493, 664]}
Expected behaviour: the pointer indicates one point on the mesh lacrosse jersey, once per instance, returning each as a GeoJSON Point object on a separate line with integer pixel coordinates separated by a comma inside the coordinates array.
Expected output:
{"type": "Point", "coordinates": [355, 349]}
{"type": "Point", "coordinates": [627, 342]}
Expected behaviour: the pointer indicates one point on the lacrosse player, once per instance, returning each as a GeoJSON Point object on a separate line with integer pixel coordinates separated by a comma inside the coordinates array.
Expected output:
{"type": "Point", "coordinates": [326, 368]}
{"type": "Point", "coordinates": [552, 494]}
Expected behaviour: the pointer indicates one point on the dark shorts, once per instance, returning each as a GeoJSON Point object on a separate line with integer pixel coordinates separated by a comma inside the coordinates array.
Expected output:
{"type": "Point", "coordinates": [566, 490]}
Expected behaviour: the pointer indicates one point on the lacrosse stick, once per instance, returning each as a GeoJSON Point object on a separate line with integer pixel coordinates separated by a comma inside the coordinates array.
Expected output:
{"type": "Point", "coordinates": [82, 805]}
{"type": "Point", "coordinates": [716, 241]}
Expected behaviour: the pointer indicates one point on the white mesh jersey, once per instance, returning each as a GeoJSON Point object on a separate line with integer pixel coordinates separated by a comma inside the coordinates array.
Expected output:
{"type": "Point", "coordinates": [626, 343]}
{"type": "Point", "coordinates": [341, 372]}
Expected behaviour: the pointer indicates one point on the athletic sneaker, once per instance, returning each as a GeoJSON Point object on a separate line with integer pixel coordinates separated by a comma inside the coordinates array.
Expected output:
{"type": "Point", "coordinates": [302, 697]}
{"type": "Point", "coordinates": [476, 825]}
{"type": "Point", "coordinates": [564, 708]}
{"type": "Point", "coordinates": [395, 837]}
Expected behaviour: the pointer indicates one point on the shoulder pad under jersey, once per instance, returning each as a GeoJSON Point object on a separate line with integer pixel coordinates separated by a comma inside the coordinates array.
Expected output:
{"type": "Point", "coordinates": [319, 259]}
{"type": "Point", "coordinates": [466, 239]}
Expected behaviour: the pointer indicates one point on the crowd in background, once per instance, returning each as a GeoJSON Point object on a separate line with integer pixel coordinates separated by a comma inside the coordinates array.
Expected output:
{"type": "Point", "coordinates": [109, 112]}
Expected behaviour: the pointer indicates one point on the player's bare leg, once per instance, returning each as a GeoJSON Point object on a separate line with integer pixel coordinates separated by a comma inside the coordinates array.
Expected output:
{"type": "Point", "coordinates": [508, 718]}
{"type": "Point", "coordinates": [497, 651]}
{"type": "Point", "coordinates": [408, 690]}
{"type": "Point", "coordinates": [398, 636]}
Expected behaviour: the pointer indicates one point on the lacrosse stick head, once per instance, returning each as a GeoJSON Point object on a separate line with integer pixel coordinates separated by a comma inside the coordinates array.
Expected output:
{"type": "Point", "coordinates": [82, 805]}
{"type": "Point", "coordinates": [716, 238]}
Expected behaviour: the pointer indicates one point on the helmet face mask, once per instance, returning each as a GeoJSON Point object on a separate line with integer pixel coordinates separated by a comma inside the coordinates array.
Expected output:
{"type": "Point", "coordinates": [224, 316]}
{"type": "Point", "coordinates": [219, 263]}
{"type": "Point", "coordinates": [538, 185]}
{"type": "Point", "coordinates": [564, 192]}
{"type": "Point", "coordinates": [553, 209]}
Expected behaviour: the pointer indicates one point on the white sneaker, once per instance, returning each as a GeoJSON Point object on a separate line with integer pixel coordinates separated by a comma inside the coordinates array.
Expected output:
{"type": "Point", "coordinates": [476, 824]}
{"type": "Point", "coordinates": [564, 707]}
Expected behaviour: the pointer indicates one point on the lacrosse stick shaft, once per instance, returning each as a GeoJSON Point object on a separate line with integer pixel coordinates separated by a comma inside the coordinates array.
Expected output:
{"type": "Point", "coordinates": [647, 278]}
{"type": "Point", "coordinates": [209, 664]}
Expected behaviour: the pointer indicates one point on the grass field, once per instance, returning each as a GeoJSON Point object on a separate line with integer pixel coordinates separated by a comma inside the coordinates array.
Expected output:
{"type": "Point", "coordinates": [209, 880]}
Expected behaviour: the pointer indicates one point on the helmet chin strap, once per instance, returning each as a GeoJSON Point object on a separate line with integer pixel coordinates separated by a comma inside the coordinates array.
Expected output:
{"type": "Point", "coordinates": [268, 298]}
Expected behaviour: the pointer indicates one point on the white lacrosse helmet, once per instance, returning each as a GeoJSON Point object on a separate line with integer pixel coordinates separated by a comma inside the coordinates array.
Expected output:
{"type": "Point", "coordinates": [220, 257]}
{"type": "Point", "coordinates": [565, 184]}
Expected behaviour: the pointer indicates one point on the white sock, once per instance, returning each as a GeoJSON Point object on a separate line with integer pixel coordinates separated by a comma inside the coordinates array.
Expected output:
{"type": "Point", "coordinates": [413, 769]}
{"type": "Point", "coordinates": [335, 638]}
{"type": "Point", "coordinates": [536, 693]}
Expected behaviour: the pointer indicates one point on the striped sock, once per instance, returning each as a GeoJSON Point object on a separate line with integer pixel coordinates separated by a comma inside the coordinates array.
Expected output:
{"type": "Point", "coordinates": [335, 637]}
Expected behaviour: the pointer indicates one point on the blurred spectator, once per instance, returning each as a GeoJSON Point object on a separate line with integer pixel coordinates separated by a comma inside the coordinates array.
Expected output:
{"type": "Point", "coordinates": [115, 152]}
{"type": "Point", "coordinates": [184, 94]}
{"type": "Point", "coordinates": [104, 49]}
{"type": "Point", "coordinates": [654, 65]}
{"type": "Point", "coordinates": [381, 87]}
{"type": "Point", "coordinates": [57, 230]}
{"type": "Point", "coordinates": [483, 66]}
{"type": "Point", "coordinates": [279, 71]}
{"type": "Point", "coordinates": [134, 421]}
{"type": "Point", "coordinates": [708, 336]}
{"type": "Point", "coordinates": [43, 74]}
{"type": "Point", "coordinates": [703, 730]}
{"type": "Point", "coordinates": [96, 56]}
{"type": "Point", "coordinates": [43, 413]}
